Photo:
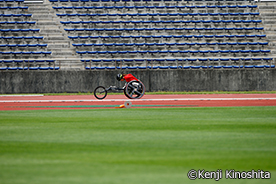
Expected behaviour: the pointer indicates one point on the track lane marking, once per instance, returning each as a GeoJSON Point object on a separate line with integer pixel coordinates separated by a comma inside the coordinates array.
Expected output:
{"type": "Point", "coordinates": [143, 100]}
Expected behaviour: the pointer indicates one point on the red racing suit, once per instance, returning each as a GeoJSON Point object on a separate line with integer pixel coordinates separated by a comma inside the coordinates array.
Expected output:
{"type": "Point", "coordinates": [129, 77]}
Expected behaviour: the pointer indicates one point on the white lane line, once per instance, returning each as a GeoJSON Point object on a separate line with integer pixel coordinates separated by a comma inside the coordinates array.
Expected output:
{"type": "Point", "coordinates": [120, 100]}
{"type": "Point", "coordinates": [20, 95]}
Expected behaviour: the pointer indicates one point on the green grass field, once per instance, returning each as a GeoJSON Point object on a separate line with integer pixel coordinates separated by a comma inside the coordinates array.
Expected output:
{"type": "Point", "coordinates": [135, 146]}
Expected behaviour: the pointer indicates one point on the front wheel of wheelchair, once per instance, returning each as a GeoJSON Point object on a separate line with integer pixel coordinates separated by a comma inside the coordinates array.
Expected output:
{"type": "Point", "coordinates": [100, 92]}
{"type": "Point", "coordinates": [134, 90]}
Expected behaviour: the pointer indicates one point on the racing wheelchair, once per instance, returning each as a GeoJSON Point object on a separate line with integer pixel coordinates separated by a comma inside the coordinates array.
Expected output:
{"type": "Point", "coordinates": [132, 90]}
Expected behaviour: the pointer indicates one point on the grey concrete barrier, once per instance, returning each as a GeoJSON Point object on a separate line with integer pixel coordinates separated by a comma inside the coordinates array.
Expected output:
{"type": "Point", "coordinates": [154, 80]}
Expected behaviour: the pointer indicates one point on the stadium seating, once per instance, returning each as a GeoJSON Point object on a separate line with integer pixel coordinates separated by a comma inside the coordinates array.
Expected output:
{"type": "Point", "coordinates": [18, 22]}
{"type": "Point", "coordinates": [21, 46]}
{"type": "Point", "coordinates": [152, 14]}
{"type": "Point", "coordinates": [21, 37]}
{"type": "Point", "coordinates": [142, 34]}
{"type": "Point", "coordinates": [14, 8]}
{"type": "Point", "coordinates": [29, 65]}
{"type": "Point", "coordinates": [155, 7]}
{"type": "Point", "coordinates": [15, 15]}
{"type": "Point", "coordinates": [161, 29]}
{"type": "Point", "coordinates": [161, 22]}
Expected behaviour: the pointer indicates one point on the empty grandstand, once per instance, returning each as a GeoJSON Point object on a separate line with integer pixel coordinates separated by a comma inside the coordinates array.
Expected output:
{"type": "Point", "coordinates": [136, 35]}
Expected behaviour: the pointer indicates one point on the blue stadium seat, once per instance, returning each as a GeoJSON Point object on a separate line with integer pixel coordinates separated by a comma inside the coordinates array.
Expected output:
{"type": "Point", "coordinates": [248, 66]}
{"type": "Point", "coordinates": [234, 51]}
{"type": "Point", "coordinates": [267, 59]}
{"type": "Point", "coordinates": [153, 51]}
{"type": "Point", "coordinates": [270, 66]}
{"type": "Point", "coordinates": [33, 68]}
{"type": "Point", "coordinates": [256, 59]}
{"type": "Point", "coordinates": [245, 51]}
{"type": "Point", "coordinates": [22, 68]}
{"type": "Point", "coordinates": [107, 60]}
{"type": "Point", "coordinates": [18, 61]}
{"type": "Point", "coordinates": [203, 51]}
{"type": "Point", "coordinates": [3, 68]}
{"type": "Point", "coordinates": [12, 68]}
{"type": "Point", "coordinates": [205, 67]}
{"type": "Point", "coordinates": [142, 67]}
{"type": "Point", "coordinates": [249, 6]}
{"type": "Point", "coordinates": [224, 59]}
{"type": "Point", "coordinates": [255, 51]}
{"type": "Point", "coordinates": [89, 68]}
{"type": "Point", "coordinates": [132, 67]}
{"type": "Point", "coordinates": [202, 59]}
{"type": "Point", "coordinates": [232, 6]}
{"type": "Point", "coordinates": [163, 67]}
{"type": "Point", "coordinates": [55, 68]}
{"type": "Point", "coordinates": [237, 66]}
{"type": "Point", "coordinates": [57, 7]}
{"type": "Point", "coordinates": [261, 36]}
{"type": "Point", "coordinates": [262, 43]}
{"type": "Point", "coordinates": [110, 67]}
{"type": "Point", "coordinates": [217, 67]}
{"type": "Point", "coordinates": [252, 43]}
{"type": "Point", "coordinates": [7, 61]}
{"type": "Point", "coordinates": [96, 60]}
{"type": "Point", "coordinates": [234, 59]}
{"type": "Point", "coordinates": [44, 68]}
{"type": "Point", "coordinates": [195, 67]}
{"type": "Point", "coordinates": [192, 59]}
{"type": "Point", "coordinates": [254, 13]}
{"type": "Point", "coordinates": [128, 60]}
{"type": "Point", "coordinates": [242, 6]}
{"type": "Point", "coordinates": [242, 43]}
{"type": "Point", "coordinates": [265, 51]}
{"type": "Point", "coordinates": [153, 67]}
{"type": "Point", "coordinates": [227, 66]}
{"type": "Point", "coordinates": [175, 67]}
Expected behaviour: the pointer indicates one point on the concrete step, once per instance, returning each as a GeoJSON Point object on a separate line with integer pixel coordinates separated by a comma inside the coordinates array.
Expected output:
{"type": "Point", "coordinates": [267, 11]}
{"type": "Point", "coordinates": [270, 29]}
{"type": "Point", "coordinates": [42, 17]}
{"type": "Point", "coordinates": [61, 52]}
{"type": "Point", "coordinates": [265, 7]}
{"type": "Point", "coordinates": [269, 23]}
{"type": "Point", "coordinates": [265, 4]}
{"type": "Point", "coordinates": [46, 23]}
{"type": "Point", "coordinates": [55, 36]}
{"type": "Point", "coordinates": [50, 31]}
{"type": "Point", "coordinates": [58, 46]}
{"type": "Point", "coordinates": [268, 14]}
{"type": "Point", "coordinates": [42, 11]}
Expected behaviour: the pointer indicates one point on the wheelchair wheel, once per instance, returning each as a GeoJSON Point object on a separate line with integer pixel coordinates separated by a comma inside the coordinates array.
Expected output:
{"type": "Point", "coordinates": [126, 94]}
{"type": "Point", "coordinates": [100, 92]}
{"type": "Point", "coordinates": [134, 90]}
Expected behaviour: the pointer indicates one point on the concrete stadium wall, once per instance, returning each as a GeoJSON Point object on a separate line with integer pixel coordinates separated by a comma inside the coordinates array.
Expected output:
{"type": "Point", "coordinates": [154, 80]}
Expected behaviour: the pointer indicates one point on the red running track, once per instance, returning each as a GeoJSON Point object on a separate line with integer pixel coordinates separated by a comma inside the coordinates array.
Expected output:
{"type": "Point", "coordinates": [148, 101]}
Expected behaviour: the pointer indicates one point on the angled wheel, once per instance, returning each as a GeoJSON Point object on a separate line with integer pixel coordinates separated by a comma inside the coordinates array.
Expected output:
{"type": "Point", "coordinates": [100, 92]}
{"type": "Point", "coordinates": [126, 94]}
{"type": "Point", "coordinates": [134, 90]}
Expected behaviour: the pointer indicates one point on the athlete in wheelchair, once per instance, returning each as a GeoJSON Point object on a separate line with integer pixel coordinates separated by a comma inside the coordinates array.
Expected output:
{"type": "Point", "coordinates": [133, 89]}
